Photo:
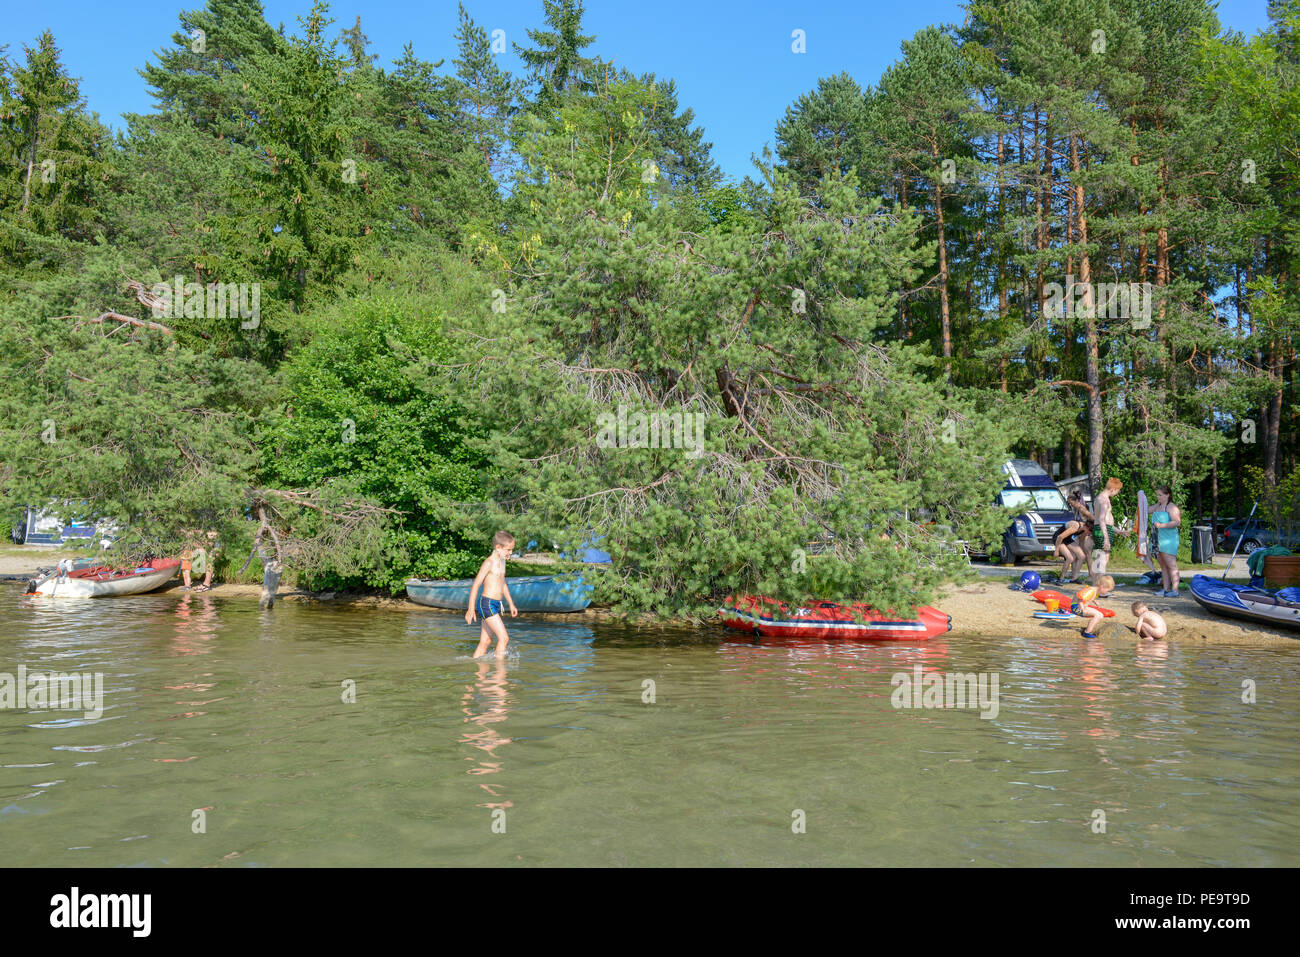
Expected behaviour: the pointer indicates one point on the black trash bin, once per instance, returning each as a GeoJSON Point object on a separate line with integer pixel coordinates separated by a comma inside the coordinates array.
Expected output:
{"type": "Point", "coordinates": [1202, 544]}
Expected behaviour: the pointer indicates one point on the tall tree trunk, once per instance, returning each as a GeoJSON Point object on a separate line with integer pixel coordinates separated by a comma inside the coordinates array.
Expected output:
{"type": "Point", "coordinates": [1276, 371]}
{"type": "Point", "coordinates": [31, 165]}
{"type": "Point", "coordinates": [1002, 258]}
{"type": "Point", "coordinates": [1236, 479]}
{"type": "Point", "coordinates": [1169, 354]}
{"type": "Point", "coordinates": [1092, 353]}
{"type": "Point", "coordinates": [1144, 269]}
{"type": "Point", "coordinates": [1043, 133]}
{"type": "Point", "coordinates": [1272, 433]}
{"type": "Point", "coordinates": [1214, 495]}
{"type": "Point", "coordinates": [943, 290]}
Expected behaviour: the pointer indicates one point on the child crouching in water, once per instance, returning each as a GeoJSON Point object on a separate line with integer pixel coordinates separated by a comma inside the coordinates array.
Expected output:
{"type": "Point", "coordinates": [1149, 624]}
{"type": "Point", "coordinates": [491, 578]}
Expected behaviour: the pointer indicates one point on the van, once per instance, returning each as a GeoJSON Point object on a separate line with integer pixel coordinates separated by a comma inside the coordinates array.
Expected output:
{"type": "Point", "coordinates": [1040, 512]}
{"type": "Point", "coordinates": [46, 527]}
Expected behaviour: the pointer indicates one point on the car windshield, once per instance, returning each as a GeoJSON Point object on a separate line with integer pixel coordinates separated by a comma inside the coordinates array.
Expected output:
{"type": "Point", "coordinates": [1035, 499]}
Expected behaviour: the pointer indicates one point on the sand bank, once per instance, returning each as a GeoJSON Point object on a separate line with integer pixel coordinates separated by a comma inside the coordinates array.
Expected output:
{"type": "Point", "coordinates": [989, 607]}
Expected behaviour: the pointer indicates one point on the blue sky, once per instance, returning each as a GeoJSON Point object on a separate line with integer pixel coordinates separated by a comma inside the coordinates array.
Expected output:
{"type": "Point", "coordinates": [732, 59]}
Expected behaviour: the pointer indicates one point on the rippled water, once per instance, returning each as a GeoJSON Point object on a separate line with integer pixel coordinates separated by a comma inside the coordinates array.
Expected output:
{"type": "Point", "coordinates": [212, 705]}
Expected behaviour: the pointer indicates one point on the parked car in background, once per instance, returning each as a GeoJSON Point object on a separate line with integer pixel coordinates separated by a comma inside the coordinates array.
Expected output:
{"type": "Point", "coordinates": [1255, 533]}
{"type": "Point", "coordinates": [1040, 512]}
{"type": "Point", "coordinates": [44, 527]}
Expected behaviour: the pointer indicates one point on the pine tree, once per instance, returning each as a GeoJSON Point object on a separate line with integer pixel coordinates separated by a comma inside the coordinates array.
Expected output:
{"type": "Point", "coordinates": [925, 101]}
{"type": "Point", "coordinates": [825, 133]}
{"type": "Point", "coordinates": [175, 184]}
{"type": "Point", "coordinates": [429, 159]}
{"type": "Point", "coordinates": [1259, 83]}
{"type": "Point", "coordinates": [769, 330]}
{"type": "Point", "coordinates": [358, 45]}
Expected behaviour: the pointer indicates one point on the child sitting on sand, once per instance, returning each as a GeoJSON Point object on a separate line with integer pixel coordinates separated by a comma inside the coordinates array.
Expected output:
{"type": "Point", "coordinates": [1149, 624]}
{"type": "Point", "coordinates": [1105, 585]}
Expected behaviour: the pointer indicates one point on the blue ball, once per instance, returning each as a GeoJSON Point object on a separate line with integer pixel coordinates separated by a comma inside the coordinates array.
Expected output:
{"type": "Point", "coordinates": [1030, 581]}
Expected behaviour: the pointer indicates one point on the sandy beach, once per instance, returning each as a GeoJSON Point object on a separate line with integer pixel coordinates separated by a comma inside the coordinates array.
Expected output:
{"type": "Point", "coordinates": [989, 607]}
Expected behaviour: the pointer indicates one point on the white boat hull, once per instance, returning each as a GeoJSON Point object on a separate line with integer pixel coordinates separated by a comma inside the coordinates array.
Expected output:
{"type": "Point", "coordinates": [89, 588]}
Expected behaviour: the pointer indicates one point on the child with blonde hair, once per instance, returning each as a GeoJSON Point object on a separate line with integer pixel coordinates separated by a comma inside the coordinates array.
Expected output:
{"type": "Point", "coordinates": [491, 578]}
{"type": "Point", "coordinates": [1149, 624]}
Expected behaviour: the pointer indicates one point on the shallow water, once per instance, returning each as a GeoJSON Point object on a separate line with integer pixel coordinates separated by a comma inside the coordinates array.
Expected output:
{"type": "Point", "coordinates": [557, 756]}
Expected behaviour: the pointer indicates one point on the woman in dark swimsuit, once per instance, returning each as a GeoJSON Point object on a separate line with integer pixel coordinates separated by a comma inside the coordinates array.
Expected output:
{"type": "Point", "coordinates": [1069, 550]}
{"type": "Point", "coordinates": [1085, 541]}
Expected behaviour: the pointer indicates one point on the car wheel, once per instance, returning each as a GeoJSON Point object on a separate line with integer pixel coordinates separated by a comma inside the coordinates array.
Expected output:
{"type": "Point", "coordinates": [1249, 545]}
{"type": "Point", "coordinates": [1005, 556]}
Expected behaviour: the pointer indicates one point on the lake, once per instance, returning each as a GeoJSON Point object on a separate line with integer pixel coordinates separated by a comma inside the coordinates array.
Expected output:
{"type": "Point", "coordinates": [320, 735]}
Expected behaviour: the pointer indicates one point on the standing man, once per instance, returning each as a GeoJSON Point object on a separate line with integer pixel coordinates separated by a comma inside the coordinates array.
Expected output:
{"type": "Point", "coordinates": [1105, 528]}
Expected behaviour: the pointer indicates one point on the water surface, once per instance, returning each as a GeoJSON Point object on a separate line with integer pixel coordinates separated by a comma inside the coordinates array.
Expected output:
{"type": "Point", "coordinates": [556, 755]}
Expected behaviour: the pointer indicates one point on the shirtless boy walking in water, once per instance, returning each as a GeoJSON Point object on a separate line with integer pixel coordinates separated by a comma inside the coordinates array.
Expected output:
{"type": "Point", "coordinates": [491, 578]}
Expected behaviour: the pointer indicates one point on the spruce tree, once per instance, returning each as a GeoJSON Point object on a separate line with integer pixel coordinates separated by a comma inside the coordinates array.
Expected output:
{"type": "Point", "coordinates": [300, 203]}
{"type": "Point", "coordinates": [489, 94]}
{"type": "Point", "coordinates": [200, 76]}
{"type": "Point", "coordinates": [555, 62]}
{"type": "Point", "coordinates": [58, 154]}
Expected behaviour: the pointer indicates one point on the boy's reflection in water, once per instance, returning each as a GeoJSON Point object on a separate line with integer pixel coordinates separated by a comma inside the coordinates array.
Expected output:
{"type": "Point", "coordinates": [196, 626]}
{"type": "Point", "coordinates": [485, 705]}
{"type": "Point", "coordinates": [196, 623]}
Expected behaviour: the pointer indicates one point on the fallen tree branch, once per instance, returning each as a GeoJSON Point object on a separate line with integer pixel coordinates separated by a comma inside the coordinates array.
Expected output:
{"type": "Point", "coordinates": [129, 320]}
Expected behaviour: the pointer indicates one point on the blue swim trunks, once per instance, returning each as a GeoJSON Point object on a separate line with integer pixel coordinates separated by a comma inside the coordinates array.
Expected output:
{"type": "Point", "coordinates": [487, 607]}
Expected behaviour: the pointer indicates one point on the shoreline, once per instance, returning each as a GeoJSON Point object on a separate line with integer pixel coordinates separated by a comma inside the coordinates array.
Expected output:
{"type": "Point", "coordinates": [989, 607]}
{"type": "Point", "coordinates": [979, 607]}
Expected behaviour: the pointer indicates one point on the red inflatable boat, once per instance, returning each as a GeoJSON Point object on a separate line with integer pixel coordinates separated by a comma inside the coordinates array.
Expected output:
{"type": "Point", "coordinates": [829, 620]}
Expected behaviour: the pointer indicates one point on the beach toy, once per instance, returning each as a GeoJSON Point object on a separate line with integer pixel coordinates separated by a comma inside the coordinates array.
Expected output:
{"type": "Point", "coordinates": [1054, 615]}
{"type": "Point", "coordinates": [1030, 581]}
{"type": "Point", "coordinates": [1105, 612]}
{"type": "Point", "coordinates": [1086, 595]}
{"type": "Point", "coordinates": [1065, 601]}
{"type": "Point", "coordinates": [1052, 604]}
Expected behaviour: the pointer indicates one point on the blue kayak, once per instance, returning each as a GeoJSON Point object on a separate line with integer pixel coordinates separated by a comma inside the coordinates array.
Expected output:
{"type": "Point", "coordinates": [1279, 608]}
{"type": "Point", "coordinates": [536, 593]}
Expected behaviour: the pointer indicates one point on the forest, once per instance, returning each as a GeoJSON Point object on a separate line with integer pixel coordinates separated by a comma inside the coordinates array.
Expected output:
{"type": "Point", "coordinates": [374, 312]}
